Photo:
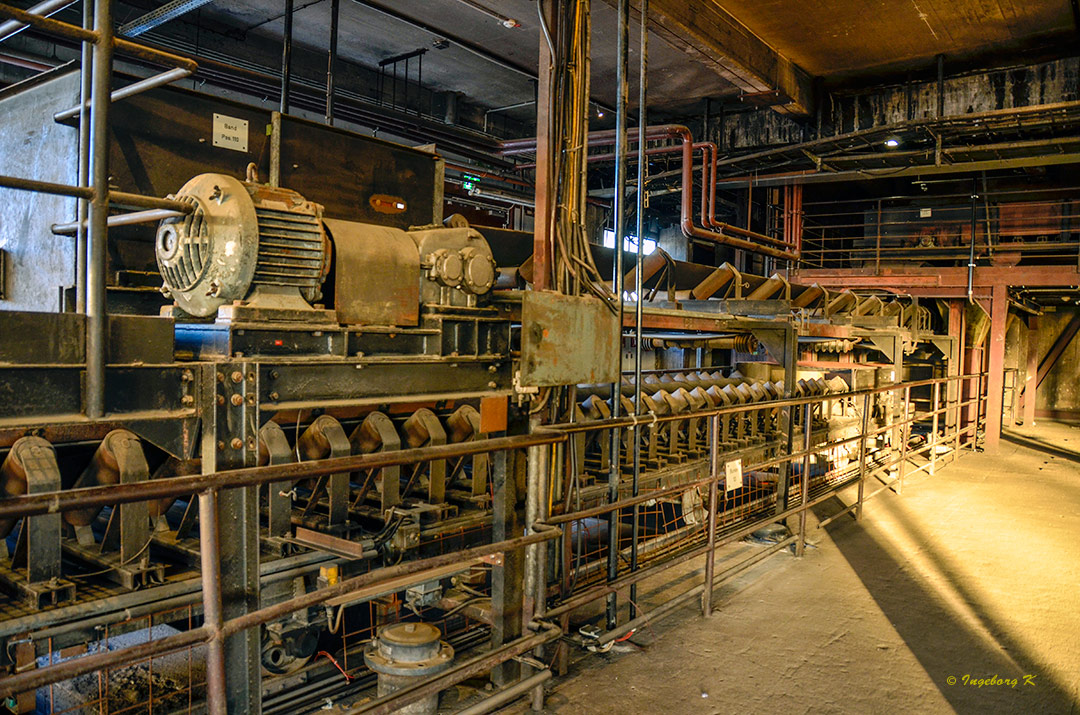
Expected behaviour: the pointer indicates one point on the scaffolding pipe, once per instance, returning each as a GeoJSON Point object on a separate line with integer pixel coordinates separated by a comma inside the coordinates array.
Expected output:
{"type": "Point", "coordinates": [82, 211]}
{"type": "Point", "coordinates": [97, 245]}
{"type": "Point", "coordinates": [130, 90]}
{"type": "Point", "coordinates": [49, 7]}
{"type": "Point", "coordinates": [639, 290]}
{"type": "Point", "coordinates": [331, 59]}
{"type": "Point", "coordinates": [621, 81]}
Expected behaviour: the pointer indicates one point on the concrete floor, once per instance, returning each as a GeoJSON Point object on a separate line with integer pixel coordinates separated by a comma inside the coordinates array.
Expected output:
{"type": "Point", "coordinates": [969, 575]}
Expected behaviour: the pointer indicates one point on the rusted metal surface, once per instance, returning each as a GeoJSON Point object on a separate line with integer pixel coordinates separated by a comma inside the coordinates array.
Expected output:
{"type": "Point", "coordinates": [566, 340]}
{"type": "Point", "coordinates": [377, 274]}
{"type": "Point", "coordinates": [29, 505]}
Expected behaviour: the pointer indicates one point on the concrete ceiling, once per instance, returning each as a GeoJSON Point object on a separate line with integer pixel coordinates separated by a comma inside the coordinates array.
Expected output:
{"type": "Point", "coordinates": [860, 37]}
{"type": "Point", "coordinates": [368, 36]}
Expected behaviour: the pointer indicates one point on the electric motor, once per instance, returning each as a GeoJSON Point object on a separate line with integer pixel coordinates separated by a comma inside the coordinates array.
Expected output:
{"type": "Point", "coordinates": [240, 236]}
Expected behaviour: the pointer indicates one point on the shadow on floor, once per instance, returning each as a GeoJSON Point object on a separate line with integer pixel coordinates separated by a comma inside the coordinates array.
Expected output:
{"type": "Point", "coordinates": [1040, 445]}
{"type": "Point", "coordinates": [945, 644]}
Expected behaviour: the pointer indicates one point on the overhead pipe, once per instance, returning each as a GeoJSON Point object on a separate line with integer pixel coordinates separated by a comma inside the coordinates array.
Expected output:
{"type": "Point", "coordinates": [45, 9]}
{"type": "Point", "coordinates": [725, 234]}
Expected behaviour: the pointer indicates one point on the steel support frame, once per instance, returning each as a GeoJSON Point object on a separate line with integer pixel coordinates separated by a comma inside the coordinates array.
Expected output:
{"type": "Point", "coordinates": [230, 441]}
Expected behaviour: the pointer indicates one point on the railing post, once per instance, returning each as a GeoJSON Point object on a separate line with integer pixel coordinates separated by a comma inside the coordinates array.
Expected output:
{"type": "Point", "coordinates": [862, 456]}
{"type": "Point", "coordinates": [804, 479]}
{"type": "Point", "coordinates": [978, 411]}
{"type": "Point", "coordinates": [959, 422]}
{"type": "Point", "coordinates": [934, 427]}
{"type": "Point", "coordinates": [210, 567]}
{"type": "Point", "coordinates": [905, 437]}
{"type": "Point", "coordinates": [714, 474]}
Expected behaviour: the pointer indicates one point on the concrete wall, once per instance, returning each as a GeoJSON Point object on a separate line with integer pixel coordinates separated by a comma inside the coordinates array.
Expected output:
{"type": "Point", "coordinates": [1061, 388]}
{"type": "Point", "coordinates": [32, 146]}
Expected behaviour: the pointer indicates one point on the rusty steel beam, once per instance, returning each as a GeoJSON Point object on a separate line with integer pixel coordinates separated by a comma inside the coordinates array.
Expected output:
{"type": "Point", "coordinates": [707, 32]}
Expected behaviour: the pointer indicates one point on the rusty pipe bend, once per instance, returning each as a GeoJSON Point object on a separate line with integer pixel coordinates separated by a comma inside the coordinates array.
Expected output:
{"type": "Point", "coordinates": [727, 234]}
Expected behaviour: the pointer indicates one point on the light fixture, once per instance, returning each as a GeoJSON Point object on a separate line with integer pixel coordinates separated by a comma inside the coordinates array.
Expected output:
{"type": "Point", "coordinates": [892, 142]}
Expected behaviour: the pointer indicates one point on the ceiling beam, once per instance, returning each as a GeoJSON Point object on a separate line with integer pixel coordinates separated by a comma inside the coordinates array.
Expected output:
{"type": "Point", "coordinates": [710, 34]}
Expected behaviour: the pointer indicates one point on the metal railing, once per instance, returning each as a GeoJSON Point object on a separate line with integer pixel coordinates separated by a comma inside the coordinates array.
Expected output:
{"type": "Point", "coordinates": [95, 198]}
{"type": "Point", "coordinates": [1039, 224]}
{"type": "Point", "coordinates": [802, 490]}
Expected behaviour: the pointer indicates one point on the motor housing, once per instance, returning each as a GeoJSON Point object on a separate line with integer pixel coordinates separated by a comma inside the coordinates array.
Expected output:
{"type": "Point", "coordinates": [242, 239]}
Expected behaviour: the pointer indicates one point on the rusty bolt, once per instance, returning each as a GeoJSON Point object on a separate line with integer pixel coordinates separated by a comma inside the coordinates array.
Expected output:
{"type": "Point", "coordinates": [237, 400]}
{"type": "Point", "coordinates": [273, 374]}
{"type": "Point", "coordinates": [221, 399]}
{"type": "Point", "coordinates": [237, 376]}
{"type": "Point", "coordinates": [251, 377]}
{"type": "Point", "coordinates": [187, 400]}
{"type": "Point", "coordinates": [220, 445]}
{"type": "Point", "coordinates": [237, 443]}
{"type": "Point", "coordinates": [274, 396]}
{"type": "Point", "coordinates": [251, 399]}
{"type": "Point", "coordinates": [492, 385]}
{"type": "Point", "coordinates": [221, 377]}
{"type": "Point", "coordinates": [187, 376]}
{"type": "Point", "coordinates": [493, 368]}
{"type": "Point", "coordinates": [251, 443]}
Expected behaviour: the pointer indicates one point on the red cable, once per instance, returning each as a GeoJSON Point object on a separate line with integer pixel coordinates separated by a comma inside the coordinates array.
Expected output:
{"type": "Point", "coordinates": [336, 665]}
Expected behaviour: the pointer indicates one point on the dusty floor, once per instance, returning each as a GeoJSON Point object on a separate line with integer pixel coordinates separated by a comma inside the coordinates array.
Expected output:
{"type": "Point", "coordinates": [970, 575]}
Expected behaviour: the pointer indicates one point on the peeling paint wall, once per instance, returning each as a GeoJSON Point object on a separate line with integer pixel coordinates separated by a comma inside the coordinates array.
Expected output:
{"type": "Point", "coordinates": [1044, 83]}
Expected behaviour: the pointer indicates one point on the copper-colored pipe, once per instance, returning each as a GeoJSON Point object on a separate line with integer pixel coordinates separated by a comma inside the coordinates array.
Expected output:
{"type": "Point", "coordinates": [725, 235]}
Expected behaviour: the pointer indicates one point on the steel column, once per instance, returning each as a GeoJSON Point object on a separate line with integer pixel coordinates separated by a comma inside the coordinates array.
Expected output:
{"type": "Point", "coordinates": [331, 60]}
{"type": "Point", "coordinates": [643, 171]}
{"type": "Point", "coordinates": [97, 248]}
{"type": "Point", "coordinates": [286, 57]}
{"type": "Point", "coordinates": [230, 440]}
{"type": "Point", "coordinates": [619, 208]}
{"type": "Point", "coordinates": [544, 208]}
